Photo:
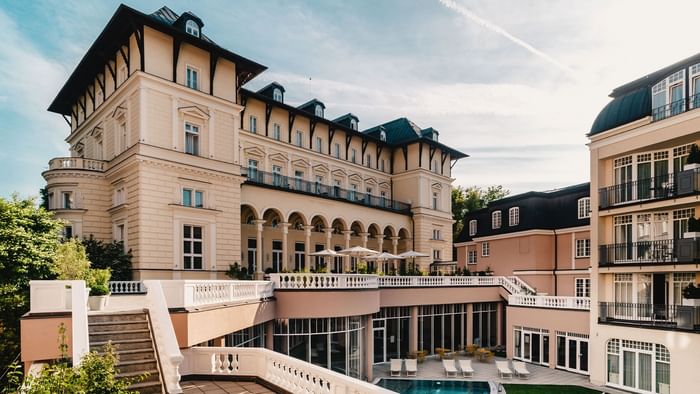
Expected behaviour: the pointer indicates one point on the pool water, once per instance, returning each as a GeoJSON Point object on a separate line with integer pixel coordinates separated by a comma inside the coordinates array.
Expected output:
{"type": "Point", "coordinates": [405, 386]}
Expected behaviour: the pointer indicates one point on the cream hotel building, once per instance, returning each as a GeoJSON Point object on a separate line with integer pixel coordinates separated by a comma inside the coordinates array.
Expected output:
{"type": "Point", "coordinates": [171, 154]}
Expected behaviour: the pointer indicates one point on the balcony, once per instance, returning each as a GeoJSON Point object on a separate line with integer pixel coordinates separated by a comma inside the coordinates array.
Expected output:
{"type": "Point", "coordinates": [282, 182]}
{"type": "Point", "coordinates": [76, 163]}
{"type": "Point", "coordinates": [661, 187]}
{"type": "Point", "coordinates": [675, 108]}
{"type": "Point", "coordinates": [678, 317]}
{"type": "Point", "coordinates": [650, 252]}
{"type": "Point", "coordinates": [550, 302]}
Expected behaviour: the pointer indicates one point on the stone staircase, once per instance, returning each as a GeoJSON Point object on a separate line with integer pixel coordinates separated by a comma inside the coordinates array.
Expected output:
{"type": "Point", "coordinates": [130, 333]}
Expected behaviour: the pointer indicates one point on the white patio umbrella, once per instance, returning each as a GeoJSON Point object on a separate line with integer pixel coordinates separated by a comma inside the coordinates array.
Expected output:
{"type": "Point", "coordinates": [357, 252]}
{"type": "Point", "coordinates": [325, 253]}
{"type": "Point", "coordinates": [383, 257]}
{"type": "Point", "coordinates": [412, 254]}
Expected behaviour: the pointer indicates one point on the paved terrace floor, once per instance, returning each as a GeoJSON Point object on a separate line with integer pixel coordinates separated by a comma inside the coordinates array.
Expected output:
{"type": "Point", "coordinates": [432, 369]}
{"type": "Point", "coordinates": [223, 387]}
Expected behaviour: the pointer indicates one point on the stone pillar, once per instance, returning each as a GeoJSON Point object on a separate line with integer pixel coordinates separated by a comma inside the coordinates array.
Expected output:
{"type": "Point", "coordinates": [307, 247]}
{"type": "Point", "coordinates": [380, 246]}
{"type": "Point", "coordinates": [329, 246]}
{"type": "Point", "coordinates": [364, 239]}
{"type": "Point", "coordinates": [499, 324]}
{"type": "Point", "coordinates": [285, 253]}
{"type": "Point", "coordinates": [395, 250]}
{"type": "Point", "coordinates": [469, 325]}
{"type": "Point", "coordinates": [259, 249]}
{"type": "Point", "coordinates": [269, 331]}
{"type": "Point", "coordinates": [369, 349]}
{"type": "Point", "coordinates": [413, 330]}
{"type": "Point", "coordinates": [346, 259]}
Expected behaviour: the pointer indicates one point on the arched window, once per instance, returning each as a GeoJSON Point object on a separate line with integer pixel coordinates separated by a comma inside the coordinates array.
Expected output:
{"type": "Point", "coordinates": [514, 216]}
{"type": "Point", "coordinates": [382, 135]}
{"type": "Point", "coordinates": [191, 27]}
{"type": "Point", "coordinates": [496, 219]}
{"type": "Point", "coordinates": [472, 228]}
{"type": "Point", "coordinates": [319, 111]}
{"type": "Point", "coordinates": [277, 95]}
{"type": "Point", "coordinates": [584, 208]}
{"type": "Point", "coordinates": [353, 124]}
{"type": "Point", "coordinates": [435, 136]}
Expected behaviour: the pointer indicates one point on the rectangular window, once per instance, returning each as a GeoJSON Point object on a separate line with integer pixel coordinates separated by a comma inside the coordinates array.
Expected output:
{"type": "Point", "coordinates": [381, 165]}
{"type": "Point", "coordinates": [435, 201]}
{"type": "Point", "coordinates": [253, 124]}
{"type": "Point", "coordinates": [299, 139]}
{"type": "Point", "coordinates": [353, 156]}
{"type": "Point", "coordinates": [192, 79]}
{"type": "Point", "coordinates": [583, 248]}
{"type": "Point", "coordinates": [485, 249]}
{"type": "Point", "coordinates": [583, 287]}
{"type": "Point", "coordinates": [192, 247]}
{"type": "Point", "coordinates": [192, 198]}
{"type": "Point", "coordinates": [496, 219]}
{"type": "Point", "coordinates": [191, 139]}
{"type": "Point", "coordinates": [277, 176]}
{"type": "Point", "coordinates": [336, 150]}
{"type": "Point", "coordinates": [298, 180]}
{"type": "Point", "coordinates": [122, 136]}
{"type": "Point", "coordinates": [319, 145]}
{"type": "Point", "coordinates": [368, 161]}
{"type": "Point", "coordinates": [436, 234]}
{"type": "Point", "coordinates": [584, 208]}
{"type": "Point", "coordinates": [67, 232]}
{"type": "Point", "coordinates": [119, 233]}
{"type": "Point", "coordinates": [472, 228]}
{"type": "Point", "coordinates": [67, 198]}
{"type": "Point", "coordinates": [514, 216]}
{"type": "Point", "coordinates": [276, 132]}
{"type": "Point", "coordinates": [436, 254]}
{"type": "Point", "coordinates": [471, 257]}
{"type": "Point", "coordinates": [382, 199]}
{"type": "Point", "coordinates": [253, 169]}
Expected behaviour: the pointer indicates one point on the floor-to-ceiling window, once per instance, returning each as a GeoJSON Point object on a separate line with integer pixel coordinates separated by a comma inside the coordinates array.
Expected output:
{"type": "Point", "coordinates": [247, 337]}
{"type": "Point", "coordinates": [442, 326]}
{"type": "Point", "coordinates": [639, 366]}
{"type": "Point", "coordinates": [390, 331]}
{"type": "Point", "coordinates": [531, 345]}
{"type": "Point", "coordinates": [572, 352]}
{"type": "Point", "coordinates": [333, 343]}
{"type": "Point", "coordinates": [485, 324]}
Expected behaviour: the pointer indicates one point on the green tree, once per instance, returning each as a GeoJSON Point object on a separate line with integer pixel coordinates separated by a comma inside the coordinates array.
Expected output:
{"type": "Point", "coordinates": [470, 199]}
{"type": "Point", "coordinates": [109, 255]}
{"type": "Point", "coordinates": [71, 261]}
{"type": "Point", "coordinates": [29, 237]}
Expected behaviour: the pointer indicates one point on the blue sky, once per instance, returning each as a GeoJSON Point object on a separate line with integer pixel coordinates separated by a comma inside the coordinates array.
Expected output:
{"type": "Point", "coordinates": [515, 84]}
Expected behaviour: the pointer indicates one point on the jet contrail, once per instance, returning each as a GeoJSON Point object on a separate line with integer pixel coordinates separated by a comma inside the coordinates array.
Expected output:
{"type": "Point", "coordinates": [451, 4]}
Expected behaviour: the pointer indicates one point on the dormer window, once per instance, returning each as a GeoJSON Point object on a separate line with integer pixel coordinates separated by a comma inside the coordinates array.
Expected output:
{"type": "Point", "coordinates": [319, 111]}
{"type": "Point", "coordinates": [277, 95]}
{"type": "Point", "coordinates": [192, 28]}
{"type": "Point", "coordinates": [435, 136]}
{"type": "Point", "coordinates": [382, 135]}
{"type": "Point", "coordinates": [353, 124]}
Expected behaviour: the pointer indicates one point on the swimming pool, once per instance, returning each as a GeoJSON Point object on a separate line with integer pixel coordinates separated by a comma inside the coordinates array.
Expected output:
{"type": "Point", "coordinates": [406, 386]}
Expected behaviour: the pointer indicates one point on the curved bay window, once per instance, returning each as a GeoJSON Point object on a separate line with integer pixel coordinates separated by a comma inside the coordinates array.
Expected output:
{"type": "Point", "coordinates": [442, 326]}
{"type": "Point", "coordinates": [333, 343]}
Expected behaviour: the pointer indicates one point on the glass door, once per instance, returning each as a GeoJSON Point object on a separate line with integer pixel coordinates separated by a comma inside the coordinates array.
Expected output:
{"type": "Point", "coordinates": [277, 256]}
{"type": "Point", "coordinates": [575, 354]}
{"type": "Point", "coordinates": [379, 344]}
{"type": "Point", "coordinates": [535, 348]}
{"type": "Point", "coordinates": [623, 180]}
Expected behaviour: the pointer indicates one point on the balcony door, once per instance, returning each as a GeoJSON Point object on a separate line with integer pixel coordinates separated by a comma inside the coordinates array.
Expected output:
{"type": "Point", "coordinates": [277, 256]}
{"type": "Point", "coordinates": [623, 180]}
{"type": "Point", "coordinates": [572, 353]}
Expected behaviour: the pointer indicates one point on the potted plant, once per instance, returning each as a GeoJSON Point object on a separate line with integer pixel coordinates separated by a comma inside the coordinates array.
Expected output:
{"type": "Point", "coordinates": [691, 295]}
{"type": "Point", "coordinates": [99, 288]}
{"type": "Point", "coordinates": [693, 160]}
{"type": "Point", "coordinates": [693, 228]}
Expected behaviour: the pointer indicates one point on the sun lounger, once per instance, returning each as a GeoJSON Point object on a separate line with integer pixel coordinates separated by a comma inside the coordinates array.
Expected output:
{"type": "Point", "coordinates": [466, 367]}
{"type": "Point", "coordinates": [450, 369]}
{"type": "Point", "coordinates": [395, 366]}
{"type": "Point", "coordinates": [503, 370]}
{"type": "Point", "coordinates": [411, 367]}
{"type": "Point", "coordinates": [521, 369]}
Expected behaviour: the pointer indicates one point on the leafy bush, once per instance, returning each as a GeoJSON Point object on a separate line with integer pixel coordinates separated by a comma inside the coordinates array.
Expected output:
{"type": "Point", "coordinates": [109, 255]}
{"type": "Point", "coordinates": [98, 281]}
{"type": "Point", "coordinates": [235, 271]}
{"type": "Point", "coordinates": [71, 262]}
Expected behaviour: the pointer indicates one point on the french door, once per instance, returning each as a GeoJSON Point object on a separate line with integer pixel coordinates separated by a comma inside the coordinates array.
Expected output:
{"type": "Point", "coordinates": [379, 344]}
{"type": "Point", "coordinates": [277, 256]}
{"type": "Point", "coordinates": [572, 353]}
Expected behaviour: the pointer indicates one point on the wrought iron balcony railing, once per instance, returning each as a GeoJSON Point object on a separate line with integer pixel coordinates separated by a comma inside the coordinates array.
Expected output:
{"type": "Point", "coordinates": [655, 315]}
{"type": "Point", "coordinates": [650, 252]}
{"type": "Point", "coordinates": [675, 108]}
{"type": "Point", "coordinates": [656, 188]}
{"type": "Point", "coordinates": [283, 182]}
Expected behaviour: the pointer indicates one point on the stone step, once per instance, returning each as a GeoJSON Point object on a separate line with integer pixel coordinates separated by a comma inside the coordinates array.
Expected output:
{"type": "Point", "coordinates": [122, 344]}
{"type": "Point", "coordinates": [134, 354]}
{"type": "Point", "coordinates": [118, 326]}
{"type": "Point", "coordinates": [153, 375]}
{"type": "Point", "coordinates": [147, 387]}
{"type": "Point", "coordinates": [137, 365]}
{"type": "Point", "coordinates": [118, 316]}
{"type": "Point", "coordinates": [117, 335]}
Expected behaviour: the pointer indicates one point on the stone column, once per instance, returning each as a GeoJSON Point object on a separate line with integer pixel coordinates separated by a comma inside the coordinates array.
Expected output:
{"type": "Point", "coordinates": [413, 330]}
{"type": "Point", "coordinates": [395, 250]}
{"type": "Point", "coordinates": [468, 323]}
{"type": "Point", "coordinates": [285, 253]}
{"type": "Point", "coordinates": [269, 332]}
{"type": "Point", "coordinates": [364, 240]}
{"type": "Point", "coordinates": [369, 348]}
{"type": "Point", "coordinates": [307, 247]}
{"type": "Point", "coordinates": [499, 324]}
{"type": "Point", "coordinates": [380, 246]}
{"type": "Point", "coordinates": [329, 240]}
{"type": "Point", "coordinates": [259, 249]}
{"type": "Point", "coordinates": [346, 259]}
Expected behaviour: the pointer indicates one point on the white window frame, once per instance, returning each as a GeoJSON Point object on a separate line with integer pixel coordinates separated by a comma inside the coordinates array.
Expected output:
{"type": "Point", "coordinates": [472, 228]}
{"type": "Point", "coordinates": [336, 147]}
{"type": "Point", "coordinates": [277, 95]}
{"type": "Point", "coordinates": [192, 240]}
{"type": "Point", "coordinates": [582, 287]}
{"type": "Point", "coordinates": [471, 257]}
{"type": "Point", "coordinates": [253, 124]}
{"type": "Point", "coordinates": [189, 71]}
{"type": "Point", "coordinates": [318, 110]}
{"type": "Point", "coordinates": [192, 129]}
{"type": "Point", "coordinates": [496, 219]}
{"type": "Point", "coordinates": [514, 216]}
{"type": "Point", "coordinates": [67, 200]}
{"type": "Point", "coordinates": [353, 157]}
{"type": "Point", "coordinates": [276, 131]}
{"type": "Point", "coordinates": [436, 201]}
{"type": "Point", "coordinates": [382, 135]}
{"type": "Point", "coordinates": [584, 207]}
{"type": "Point", "coordinates": [192, 28]}
{"type": "Point", "coordinates": [299, 139]}
{"type": "Point", "coordinates": [485, 249]}
{"type": "Point", "coordinates": [353, 124]}
{"type": "Point", "coordinates": [193, 193]}
{"type": "Point", "coordinates": [319, 144]}
{"type": "Point", "coordinates": [583, 248]}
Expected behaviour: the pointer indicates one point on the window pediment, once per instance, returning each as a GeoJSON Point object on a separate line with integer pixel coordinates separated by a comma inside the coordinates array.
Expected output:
{"type": "Point", "coordinates": [194, 111]}
{"type": "Point", "coordinates": [119, 112]}
{"type": "Point", "coordinates": [321, 168]}
{"type": "Point", "coordinates": [254, 151]}
{"type": "Point", "coordinates": [355, 177]}
{"type": "Point", "coordinates": [371, 181]}
{"type": "Point", "coordinates": [339, 172]}
{"type": "Point", "coordinates": [301, 163]}
{"type": "Point", "coordinates": [279, 157]}
{"type": "Point", "coordinates": [437, 186]}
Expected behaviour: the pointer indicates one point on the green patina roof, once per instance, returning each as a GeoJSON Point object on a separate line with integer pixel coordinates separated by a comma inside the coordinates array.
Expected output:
{"type": "Point", "coordinates": [397, 131]}
{"type": "Point", "coordinates": [623, 109]}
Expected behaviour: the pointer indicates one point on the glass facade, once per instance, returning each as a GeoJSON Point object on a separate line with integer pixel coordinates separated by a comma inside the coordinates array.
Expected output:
{"type": "Point", "coordinates": [442, 326]}
{"type": "Point", "coordinates": [639, 366]}
{"type": "Point", "coordinates": [247, 337]}
{"type": "Point", "coordinates": [390, 332]}
{"type": "Point", "coordinates": [485, 324]}
{"type": "Point", "coordinates": [333, 343]}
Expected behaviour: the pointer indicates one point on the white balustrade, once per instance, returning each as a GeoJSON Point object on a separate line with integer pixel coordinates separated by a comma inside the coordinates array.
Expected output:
{"type": "Point", "coordinates": [126, 287]}
{"type": "Point", "coordinates": [286, 372]}
{"type": "Point", "coordinates": [556, 302]}
{"type": "Point", "coordinates": [522, 284]}
{"type": "Point", "coordinates": [197, 293]}
{"type": "Point", "coordinates": [324, 281]}
{"type": "Point", "coordinates": [62, 163]}
{"type": "Point", "coordinates": [437, 281]}
{"type": "Point", "coordinates": [50, 296]}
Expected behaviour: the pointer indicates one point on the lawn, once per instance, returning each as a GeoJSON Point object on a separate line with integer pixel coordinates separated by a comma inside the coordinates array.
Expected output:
{"type": "Point", "coordinates": [546, 389]}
